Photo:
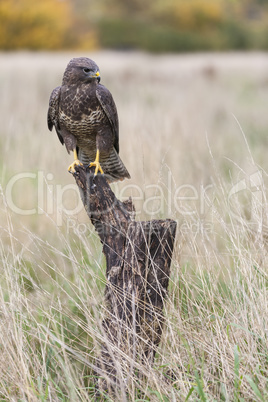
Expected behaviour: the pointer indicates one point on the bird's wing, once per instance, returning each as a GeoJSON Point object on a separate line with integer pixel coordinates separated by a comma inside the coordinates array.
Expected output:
{"type": "Point", "coordinates": [53, 111]}
{"type": "Point", "coordinates": [107, 103]}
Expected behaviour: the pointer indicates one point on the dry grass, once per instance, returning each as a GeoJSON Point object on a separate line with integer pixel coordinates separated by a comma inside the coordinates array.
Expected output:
{"type": "Point", "coordinates": [191, 126]}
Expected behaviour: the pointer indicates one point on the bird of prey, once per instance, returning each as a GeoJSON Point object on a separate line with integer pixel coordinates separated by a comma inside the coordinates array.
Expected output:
{"type": "Point", "coordinates": [84, 115]}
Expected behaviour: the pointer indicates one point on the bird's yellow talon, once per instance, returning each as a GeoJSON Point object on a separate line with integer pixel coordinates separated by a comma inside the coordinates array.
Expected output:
{"type": "Point", "coordinates": [97, 167]}
{"type": "Point", "coordinates": [76, 162]}
{"type": "Point", "coordinates": [96, 163]}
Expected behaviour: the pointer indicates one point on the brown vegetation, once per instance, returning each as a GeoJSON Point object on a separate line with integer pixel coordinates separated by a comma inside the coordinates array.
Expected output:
{"type": "Point", "coordinates": [162, 25]}
{"type": "Point", "coordinates": [193, 134]}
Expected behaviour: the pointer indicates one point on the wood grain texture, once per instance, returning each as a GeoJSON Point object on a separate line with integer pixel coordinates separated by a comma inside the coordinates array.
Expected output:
{"type": "Point", "coordinates": [138, 257]}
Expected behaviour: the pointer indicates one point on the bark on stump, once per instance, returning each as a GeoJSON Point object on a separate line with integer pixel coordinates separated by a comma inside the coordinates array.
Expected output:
{"type": "Point", "coordinates": [138, 257]}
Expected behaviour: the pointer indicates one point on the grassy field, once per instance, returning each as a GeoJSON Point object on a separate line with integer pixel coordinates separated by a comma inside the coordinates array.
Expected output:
{"type": "Point", "coordinates": [193, 135]}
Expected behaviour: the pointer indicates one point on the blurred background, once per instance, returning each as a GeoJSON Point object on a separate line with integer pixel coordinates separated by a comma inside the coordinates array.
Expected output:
{"type": "Point", "coordinates": [189, 77]}
{"type": "Point", "coordinates": [190, 81]}
{"type": "Point", "coordinates": [154, 25]}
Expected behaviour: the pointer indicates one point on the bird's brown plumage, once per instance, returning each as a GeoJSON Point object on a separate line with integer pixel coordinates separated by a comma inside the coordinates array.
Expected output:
{"type": "Point", "coordinates": [84, 115]}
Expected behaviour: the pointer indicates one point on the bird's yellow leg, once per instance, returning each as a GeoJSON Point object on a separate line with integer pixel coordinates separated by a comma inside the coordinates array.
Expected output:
{"type": "Point", "coordinates": [96, 163]}
{"type": "Point", "coordinates": [76, 162]}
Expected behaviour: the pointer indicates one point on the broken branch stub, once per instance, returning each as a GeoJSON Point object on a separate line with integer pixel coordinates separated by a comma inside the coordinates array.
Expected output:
{"type": "Point", "coordinates": [138, 257]}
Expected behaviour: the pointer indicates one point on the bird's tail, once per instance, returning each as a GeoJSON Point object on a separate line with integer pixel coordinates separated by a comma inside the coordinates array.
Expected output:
{"type": "Point", "coordinates": [113, 167]}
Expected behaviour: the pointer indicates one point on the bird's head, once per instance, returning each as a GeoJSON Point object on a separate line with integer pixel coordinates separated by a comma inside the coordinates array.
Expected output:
{"type": "Point", "coordinates": [81, 70]}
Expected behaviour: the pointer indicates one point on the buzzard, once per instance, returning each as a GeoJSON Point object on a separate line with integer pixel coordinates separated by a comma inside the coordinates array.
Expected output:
{"type": "Point", "coordinates": [84, 115]}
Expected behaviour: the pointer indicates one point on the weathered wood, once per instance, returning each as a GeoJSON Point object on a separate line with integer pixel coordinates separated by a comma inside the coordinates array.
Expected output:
{"type": "Point", "coordinates": [138, 257]}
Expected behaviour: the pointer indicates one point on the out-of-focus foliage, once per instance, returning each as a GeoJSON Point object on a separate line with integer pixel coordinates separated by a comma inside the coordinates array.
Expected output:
{"type": "Point", "coordinates": [185, 25]}
{"type": "Point", "coordinates": [189, 15]}
{"type": "Point", "coordinates": [155, 25]}
{"type": "Point", "coordinates": [42, 24]}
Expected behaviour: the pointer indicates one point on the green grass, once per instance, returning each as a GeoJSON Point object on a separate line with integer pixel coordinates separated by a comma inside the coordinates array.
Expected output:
{"type": "Point", "coordinates": [199, 123]}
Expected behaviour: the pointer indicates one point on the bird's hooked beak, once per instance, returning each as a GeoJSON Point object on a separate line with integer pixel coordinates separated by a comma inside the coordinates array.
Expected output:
{"type": "Point", "coordinates": [96, 75]}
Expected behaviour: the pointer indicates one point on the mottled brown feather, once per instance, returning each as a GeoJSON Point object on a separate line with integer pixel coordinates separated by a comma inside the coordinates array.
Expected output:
{"type": "Point", "coordinates": [106, 100]}
{"type": "Point", "coordinates": [85, 117]}
{"type": "Point", "coordinates": [53, 111]}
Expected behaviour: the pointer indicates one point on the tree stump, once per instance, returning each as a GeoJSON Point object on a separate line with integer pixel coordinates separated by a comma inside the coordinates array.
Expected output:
{"type": "Point", "coordinates": [138, 257]}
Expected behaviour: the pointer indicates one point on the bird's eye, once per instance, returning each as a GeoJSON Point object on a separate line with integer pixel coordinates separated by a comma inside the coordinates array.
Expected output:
{"type": "Point", "coordinates": [86, 70]}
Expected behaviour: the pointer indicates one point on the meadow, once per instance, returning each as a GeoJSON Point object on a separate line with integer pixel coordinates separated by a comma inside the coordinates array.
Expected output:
{"type": "Point", "coordinates": [193, 135]}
